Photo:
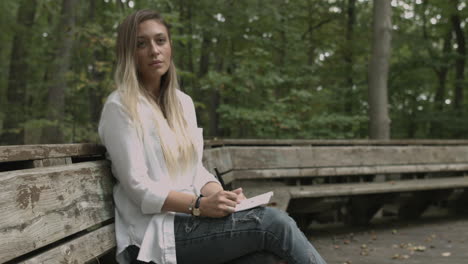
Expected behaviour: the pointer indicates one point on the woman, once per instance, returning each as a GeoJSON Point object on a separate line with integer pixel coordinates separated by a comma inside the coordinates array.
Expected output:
{"type": "Point", "coordinates": [169, 208]}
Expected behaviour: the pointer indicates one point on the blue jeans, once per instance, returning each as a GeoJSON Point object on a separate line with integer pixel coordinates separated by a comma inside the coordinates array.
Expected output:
{"type": "Point", "coordinates": [259, 235]}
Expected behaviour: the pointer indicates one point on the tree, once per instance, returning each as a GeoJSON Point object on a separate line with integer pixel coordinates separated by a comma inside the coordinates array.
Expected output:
{"type": "Point", "coordinates": [378, 70]}
{"type": "Point", "coordinates": [18, 75]}
{"type": "Point", "coordinates": [56, 95]}
{"type": "Point", "coordinates": [461, 58]}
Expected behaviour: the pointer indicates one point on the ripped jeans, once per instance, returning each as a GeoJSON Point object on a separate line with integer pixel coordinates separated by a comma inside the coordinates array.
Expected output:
{"type": "Point", "coordinates": [259, 235]}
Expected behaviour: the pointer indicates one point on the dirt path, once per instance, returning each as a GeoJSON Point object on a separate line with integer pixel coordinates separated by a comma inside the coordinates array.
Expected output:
{"type": "Point", "coordinates": [429, 241]}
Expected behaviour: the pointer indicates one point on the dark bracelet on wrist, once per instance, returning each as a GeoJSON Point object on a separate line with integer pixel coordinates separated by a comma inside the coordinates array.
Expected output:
{"type": "Point", "coordinates": [196, 208]}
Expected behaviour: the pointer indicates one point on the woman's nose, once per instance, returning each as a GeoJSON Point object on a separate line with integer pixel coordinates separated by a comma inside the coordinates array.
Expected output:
{"type": "Point", "coordinates": [154, 48]}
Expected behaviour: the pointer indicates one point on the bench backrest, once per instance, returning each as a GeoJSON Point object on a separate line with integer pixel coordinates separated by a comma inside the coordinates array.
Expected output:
{"type": "Point", "coordinates": [272, 161]}
{"type": "Point", "coordinates": [56, 203]}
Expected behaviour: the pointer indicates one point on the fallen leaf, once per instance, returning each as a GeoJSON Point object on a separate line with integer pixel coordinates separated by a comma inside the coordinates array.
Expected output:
{"type": "Point", "coordinates": [398, 256]}
{"type": "Point", "coordinates": [421, 248]}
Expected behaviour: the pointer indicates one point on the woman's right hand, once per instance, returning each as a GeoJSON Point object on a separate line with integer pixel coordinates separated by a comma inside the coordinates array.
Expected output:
{"type": "Point", "coordinates": [219, 204]}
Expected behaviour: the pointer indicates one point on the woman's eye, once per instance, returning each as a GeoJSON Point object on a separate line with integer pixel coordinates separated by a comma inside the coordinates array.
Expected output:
{"type": "Point", "coordinates": [140, 44]}
{"type": "Point", "coordinates": [161, 41]}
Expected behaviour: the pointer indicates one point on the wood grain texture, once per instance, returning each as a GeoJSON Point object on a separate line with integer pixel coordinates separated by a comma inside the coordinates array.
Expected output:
{"type": "Point", "coordinates": [352, 189]}
{"type": "Point", "coordinates": [33, 152]}
{"type": "Point", "coordinates": [52, 162]}
{"type": "Point", "coordinates": [329, 190]}
{"type": "Point", "coordinates": [343, 171]}
{"type": "Point", "coordinates": [354, 142]}
{"type": "Point", "coordinates": [217, 158]}
{"type": "Point", "coordinates": [79, 250]}
{"type": "Point", "coordinates": [310, 157]}
{"type": "Point", "coordinates": [42, 205]}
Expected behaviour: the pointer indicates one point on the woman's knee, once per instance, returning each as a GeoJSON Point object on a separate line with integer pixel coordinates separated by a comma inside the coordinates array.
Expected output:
{"type": "Point", "coordinates": [278, 220]}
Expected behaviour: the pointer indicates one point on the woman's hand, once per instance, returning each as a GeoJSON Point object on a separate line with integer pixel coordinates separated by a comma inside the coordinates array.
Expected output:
{"type": "Point", "coordinates": [240, 194]}
{"type": "Point", "coordinates": [220, 204]}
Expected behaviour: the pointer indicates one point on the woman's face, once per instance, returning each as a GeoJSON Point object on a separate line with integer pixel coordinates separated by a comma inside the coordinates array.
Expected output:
{"type": "Point", "coordinates": [153, 52]}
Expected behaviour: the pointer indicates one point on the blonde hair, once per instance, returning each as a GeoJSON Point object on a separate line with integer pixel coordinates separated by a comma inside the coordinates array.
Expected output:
{"type": "Point", "coordinates": [177, 145]}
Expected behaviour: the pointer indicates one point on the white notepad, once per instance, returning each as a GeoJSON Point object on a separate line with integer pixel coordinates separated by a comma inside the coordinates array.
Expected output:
{"type": "Point", "coordinates": [255, 201]}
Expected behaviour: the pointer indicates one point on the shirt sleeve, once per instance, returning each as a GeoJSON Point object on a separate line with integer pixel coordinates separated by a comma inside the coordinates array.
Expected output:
{"type": "Point", "coordinates": [127, 154]}
{"type": "Point", "coordinates": [202, 176]}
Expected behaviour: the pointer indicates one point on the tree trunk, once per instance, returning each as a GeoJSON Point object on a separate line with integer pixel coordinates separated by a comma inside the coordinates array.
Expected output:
{"type": "Point", "coordinates": [379, 121]}
{"type": "Point", "coordinates": [18, 75]}
{"type": "Point", "coordinates": [56, 96]}
{"type": "Point", "coordinates": [461, 58]}
{"type": "Point", "coordinates": [204, 55]}
{"type": "Point", "coordinates": [190, 66]}
{"type": "Point", "coordinates": [351, 18]}
{"type": "Point", "coordinates": [180, 63]}
{"type": "Point", "coordinates": [311, 52]}
{"type": "Point", "coordinates": [94, 92]}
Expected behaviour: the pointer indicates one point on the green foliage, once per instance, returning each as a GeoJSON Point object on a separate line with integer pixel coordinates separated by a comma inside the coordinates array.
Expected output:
{"type": "Point", "coordinates": [262, 69]}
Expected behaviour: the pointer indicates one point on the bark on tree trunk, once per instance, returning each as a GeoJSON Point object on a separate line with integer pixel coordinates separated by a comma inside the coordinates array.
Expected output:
{"type": "Point", "coordinates": [56, 95]}
{"type": "Point", "coordinates": [379, 121]}
{"type": "Point", "coordinates": [94, 93]}
{"type": "Point", "coordinates": [461, 58]}
{"type": "Point", "coordinates": [311, 53]}
{"type": "Point", "coordinates": [18, 75]}
{"type": "Point", "coordinates": [190, 66]}
{"type": "Point", "coordinates": [351, 18]}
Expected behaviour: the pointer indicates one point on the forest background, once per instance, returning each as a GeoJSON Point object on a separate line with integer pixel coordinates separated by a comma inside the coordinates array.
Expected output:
{"type": "Point", "coordinates": [255, 68]}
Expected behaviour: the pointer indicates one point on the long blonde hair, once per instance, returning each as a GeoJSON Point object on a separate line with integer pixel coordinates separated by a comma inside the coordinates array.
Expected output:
{"type": "Point", "coordinates": [177, 144]}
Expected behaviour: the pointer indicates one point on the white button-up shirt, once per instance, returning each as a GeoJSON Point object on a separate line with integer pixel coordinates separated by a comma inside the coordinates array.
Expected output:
{"type": "Point", "coordinates": [143, 181]}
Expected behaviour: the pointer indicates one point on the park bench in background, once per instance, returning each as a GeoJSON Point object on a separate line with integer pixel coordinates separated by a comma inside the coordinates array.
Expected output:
{"type": "Point", "coordinates": [346, 180]}
{"type": "Point", "coordinates": [56, 200]}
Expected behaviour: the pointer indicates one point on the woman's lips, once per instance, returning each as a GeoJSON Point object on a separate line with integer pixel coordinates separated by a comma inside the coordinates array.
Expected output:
{"type": "Point", "coordinates": [155, 63]}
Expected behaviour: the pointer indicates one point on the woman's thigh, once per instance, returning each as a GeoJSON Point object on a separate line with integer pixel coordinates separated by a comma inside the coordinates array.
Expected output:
{"type": "Point", "coordinates": [218, 240]}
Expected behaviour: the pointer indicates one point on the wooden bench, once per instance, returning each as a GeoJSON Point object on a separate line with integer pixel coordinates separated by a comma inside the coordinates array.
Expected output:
{"type": "Point", "coordinates": [55, 204]}
{"type": "Point", "coordinates": [350, 180]}
{"type": "Point", "coordinates": [56, 200]}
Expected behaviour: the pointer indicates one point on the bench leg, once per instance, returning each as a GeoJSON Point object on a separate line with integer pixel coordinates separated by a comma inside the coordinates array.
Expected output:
{"type": "Point", "coordinates": [459, 203]}
{"type": "Point", "coordinates": [362, 208]}
{"type": "Point", "coordinates": [413, 207]}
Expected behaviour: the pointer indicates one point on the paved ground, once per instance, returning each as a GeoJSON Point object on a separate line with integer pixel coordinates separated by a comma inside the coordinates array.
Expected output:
{"type": "Point", "coordinates": [433, 240]}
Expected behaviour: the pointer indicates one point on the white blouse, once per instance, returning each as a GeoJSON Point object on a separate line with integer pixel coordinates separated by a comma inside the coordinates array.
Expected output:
{"type": "Point", "coordinates": [143, 179]}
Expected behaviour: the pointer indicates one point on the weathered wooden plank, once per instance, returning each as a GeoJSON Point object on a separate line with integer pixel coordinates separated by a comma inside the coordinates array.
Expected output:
{"type": "Point", "coordinates": [351, 189]}
{"type": "Point", "coordinates": [342, 171]}
{"type": "Point", "coordinates": [79, 250]}
{"type": "Point", "coordinates": [264, 157]}
{"type": "Point", "coordinates": [33, 152]}
{"type": "Point", "coordinates": [42, 205]}
{"type": "Point", "coordinates": [329, 190]}
{"type": "Point", "coordinates": [52, 162]}
{"type": "Point", "coordinates": [217, 158]}
{"type": "Point", "coordinates": [354, 142]}
{"type": "Point", "coordinates": [309, 157]}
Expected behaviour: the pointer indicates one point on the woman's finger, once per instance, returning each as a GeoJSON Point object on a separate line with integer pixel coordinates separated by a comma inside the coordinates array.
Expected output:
{"type": "Point", "coordinates": [230, 195]}
{"type": "Point", "coordinates": [228, 202]}
{"type": "Point", "coordinates": [230, 209]}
